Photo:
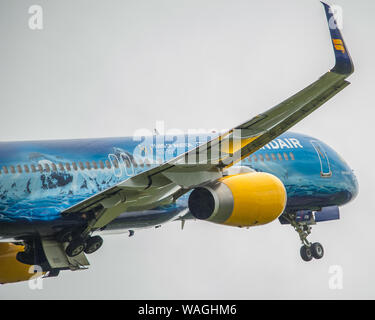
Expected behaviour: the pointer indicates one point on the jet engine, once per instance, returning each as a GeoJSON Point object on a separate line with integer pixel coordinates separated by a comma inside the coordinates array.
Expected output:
{"type": "Point", "coordinates": [12, 270]}
{"type": "Point", "coordinates": [240, 200]}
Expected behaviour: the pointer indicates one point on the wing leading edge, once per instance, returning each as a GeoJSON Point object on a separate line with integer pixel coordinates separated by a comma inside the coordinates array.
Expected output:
{"type": "Point", "coordinates": [165, 183]}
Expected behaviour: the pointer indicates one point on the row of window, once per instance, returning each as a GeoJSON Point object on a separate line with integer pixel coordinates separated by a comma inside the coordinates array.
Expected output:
{"type": "Point", "coordinates": [93, 165]}
{"type": "Point", "coordinates": [272, 157]}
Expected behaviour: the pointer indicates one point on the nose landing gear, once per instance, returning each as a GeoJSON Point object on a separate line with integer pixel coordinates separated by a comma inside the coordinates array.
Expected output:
{"type": "Point", "coordinates": [317, 250]}
{"type": "Point", "coordinates": [308, 250]}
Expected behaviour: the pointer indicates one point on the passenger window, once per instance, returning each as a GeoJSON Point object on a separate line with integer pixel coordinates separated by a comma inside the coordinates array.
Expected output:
{"type": "Point", "coordinates": [261, 157]}
{"type": "Point", "coordinates": [40, 168]}
{"type": "Point", "coordinates": [94, 164]}
{"type": "Point", "coordinates": [61, 167]}
{"type": "Point", "coordinates": [68, 167]}
{"type": "Point", "coordinates": [19, 169]}
{"type": "Point", "coordinates": [5, 170]}
{"type": "Point", "coordinates": [80, 164]}
{"type": "Point", "coordinates": [46, 166]}
{"type": "Point", "coordinates": [273, 157]}
{"type": "Point", "coordinates": [108, 164]}
{"type": "Point", "coordinates": [255, 158]}
{"type": "Point", "coordinates": [33, 169]}
{"type": "Point", "coordinates": [54, 168]}
{"type": "Point", "coordinates": [26, 167]}
{"type": "Point", "coordinates": [291, 155]}
{"type": "Point", "coordinates": [115, 163]}
{"type": "Point", "coordinates": [12, 169]}
{"type": "Point", "coordinates": [286, 156]}
{"type": "Point", "coordinates": [101, 164]}
{"type": "Point", "coordinates": [267, 157]}
{"type": "Point", "coordinates": [279, 156]}
{"type": "Point", "coordinates": [126, 160]}
{"type": "Point", "coordinates": [74, 165]}
{"type": "Point", "coordinates": [88, 166]}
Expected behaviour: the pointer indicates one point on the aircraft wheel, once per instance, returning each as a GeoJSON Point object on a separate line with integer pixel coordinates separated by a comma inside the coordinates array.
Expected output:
{"type": "Point", "coordinates": [93, 244]}
{"type": "Point", "coordinates": [75, 247]}
{"type": "Point", "coordinates": [317, 250]}
{"type": "Point", "coordinates": [306, 253]}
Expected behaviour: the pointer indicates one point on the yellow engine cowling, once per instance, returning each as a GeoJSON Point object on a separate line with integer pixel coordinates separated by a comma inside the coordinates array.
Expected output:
{"type": "Point", "coordinates": [11, 270]}
{"type": "Point", "coordinates": [241, 200]}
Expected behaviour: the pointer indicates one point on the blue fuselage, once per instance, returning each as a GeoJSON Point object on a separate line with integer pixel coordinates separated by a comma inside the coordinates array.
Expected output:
{"type": "Point", "coordinates": [40, 179]}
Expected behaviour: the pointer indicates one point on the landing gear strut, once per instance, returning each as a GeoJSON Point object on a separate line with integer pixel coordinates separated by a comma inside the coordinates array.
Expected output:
{"type": "Point", "coordinates": [308, 250]}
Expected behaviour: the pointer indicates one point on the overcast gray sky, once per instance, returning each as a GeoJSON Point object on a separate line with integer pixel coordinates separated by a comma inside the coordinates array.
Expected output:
{"type": "Point", "coordinates": [107, 68]}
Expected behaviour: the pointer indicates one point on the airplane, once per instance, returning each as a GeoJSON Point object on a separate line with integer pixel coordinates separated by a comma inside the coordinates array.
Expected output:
{"type": "Point", "coordinates": [58, 198]}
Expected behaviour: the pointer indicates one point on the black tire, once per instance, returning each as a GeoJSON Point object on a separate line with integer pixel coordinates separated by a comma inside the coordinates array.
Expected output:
{"type": "Point", "coordinates": [306, 253]}
{"type": "Point", "coordinates": [317, 250]}
{"type": "Point", "coordinates": [75, 247]}
{"type": "Point", "coordinates": [93, 244]}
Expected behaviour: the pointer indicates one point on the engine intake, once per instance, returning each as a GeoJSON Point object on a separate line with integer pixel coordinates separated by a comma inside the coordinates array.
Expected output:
{"type": "Point", "coordinates": [240, 200]}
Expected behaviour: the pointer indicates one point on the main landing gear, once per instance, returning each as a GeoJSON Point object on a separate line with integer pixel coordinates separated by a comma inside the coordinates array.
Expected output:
{"type": "Point", "coordinates": [308, 250]}
{"type": "Point", "coordinates": [78, 244]}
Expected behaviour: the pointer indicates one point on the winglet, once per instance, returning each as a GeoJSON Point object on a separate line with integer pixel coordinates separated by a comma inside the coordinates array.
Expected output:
{"type": "Point", "coordinates": [344, 64]}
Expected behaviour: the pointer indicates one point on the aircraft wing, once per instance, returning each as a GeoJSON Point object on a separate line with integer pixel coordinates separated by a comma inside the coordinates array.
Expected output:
{"type": "Point", "coordinates": [168, 181]}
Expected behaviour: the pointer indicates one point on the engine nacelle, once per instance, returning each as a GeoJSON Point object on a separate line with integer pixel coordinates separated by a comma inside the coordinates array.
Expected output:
{"type": "Point", "coordinates": [240, 200]}
{"type": "Point", "coordinates": [12, 270]}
